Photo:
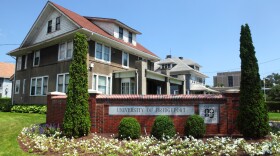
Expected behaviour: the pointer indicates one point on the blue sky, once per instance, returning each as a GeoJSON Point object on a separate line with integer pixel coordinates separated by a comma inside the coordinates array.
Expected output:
{"type": "Point", "coordinates": [207, 32]}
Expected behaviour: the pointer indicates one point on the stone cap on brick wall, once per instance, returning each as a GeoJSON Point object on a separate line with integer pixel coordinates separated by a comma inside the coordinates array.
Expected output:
{"type": "Point", "coordinates": [163, 97]}
{"type": "Point", "coordinates": [90, 91]}
{"type": "Point", "coordinates": [232, 91]}
{"type": "Point", "coordinates": [55, 93]}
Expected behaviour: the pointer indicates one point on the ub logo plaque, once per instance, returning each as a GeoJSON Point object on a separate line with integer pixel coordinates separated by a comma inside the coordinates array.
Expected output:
{"type": "Point", "coordinates": [210, 113]}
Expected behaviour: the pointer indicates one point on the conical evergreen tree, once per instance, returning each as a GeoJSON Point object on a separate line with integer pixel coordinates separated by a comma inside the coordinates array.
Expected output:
{"type": "Point", "coordinates": [252, 119]}
{"type": "Point", "coordinates": [76, 121]}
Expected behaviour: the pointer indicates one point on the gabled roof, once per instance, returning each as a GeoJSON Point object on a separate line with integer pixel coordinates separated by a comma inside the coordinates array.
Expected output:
{"type": "Point", "coordinates": [84, 23]}
{"type": "Point", "coordinates": [112, 20]}
{"type": "Point", "coordinates": [6, 69]}
{"type": "Point", "coordinates": [182, 65]}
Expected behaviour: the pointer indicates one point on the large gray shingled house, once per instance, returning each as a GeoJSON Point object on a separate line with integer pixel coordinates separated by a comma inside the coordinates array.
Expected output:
{"type": "Point", "coordinates": [117, 63]}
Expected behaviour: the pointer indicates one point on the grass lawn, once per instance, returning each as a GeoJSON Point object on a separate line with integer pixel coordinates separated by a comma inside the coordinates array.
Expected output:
{"type": "Point", "coordinates": [274, 116]}
{"type": "Point", "coordinates": [10, 126]}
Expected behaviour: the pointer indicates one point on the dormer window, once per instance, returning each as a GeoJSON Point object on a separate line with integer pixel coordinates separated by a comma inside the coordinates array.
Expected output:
{"type": "Point", "coordinates": [130, 37]}
{"type": "Point", "coordinates": [57, 23]}
{"type": "Point", "coordinates": [49, 26]}
{"type": "Point", "coordinates": [120, 33]}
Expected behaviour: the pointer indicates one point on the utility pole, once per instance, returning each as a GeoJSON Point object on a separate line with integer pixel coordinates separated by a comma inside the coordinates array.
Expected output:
{"type": "Point", "coordinates": [264, 89]}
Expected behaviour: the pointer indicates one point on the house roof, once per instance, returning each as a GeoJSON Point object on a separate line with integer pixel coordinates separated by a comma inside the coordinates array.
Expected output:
{"type": "Point", "coordinates": [85, 23]}
{"type": "Point", "coordinates": [112, 20]}
{"type": "Point", "coordinates": [6, 69]}
{"type": "Point", "coordinates": [182, 65]}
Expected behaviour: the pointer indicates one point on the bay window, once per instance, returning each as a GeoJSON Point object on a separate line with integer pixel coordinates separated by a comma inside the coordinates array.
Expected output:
{"type": "Point", "coordinates": [127, 86]}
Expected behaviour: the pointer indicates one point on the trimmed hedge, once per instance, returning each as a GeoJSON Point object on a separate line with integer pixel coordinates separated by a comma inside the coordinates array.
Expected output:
{"type": "Point", "coordinates": [195, 126]}
{"type": "Point", "coordinates": [41, 109]}
{"type": "Point", "coordinates": [163, 127]}
{"type": "Point", "coordinates": [273, 106]}
{"type": "Point", "coordinates": [129, 128]}
{"type": "Point", "coordinates": [5, 104]}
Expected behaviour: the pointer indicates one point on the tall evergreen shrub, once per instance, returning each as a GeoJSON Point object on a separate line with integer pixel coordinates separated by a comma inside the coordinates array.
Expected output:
{"type": "Point", "coordinates": [76, 121]}
{"type": "Point", "coordinates": [252, 119]}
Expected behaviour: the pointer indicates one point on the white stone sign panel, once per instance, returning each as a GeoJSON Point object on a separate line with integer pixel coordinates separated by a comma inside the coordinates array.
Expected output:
{"type": "Point", "coordinates": [151, 110]}
{"type": "Point", "coordinates": [210, 113]}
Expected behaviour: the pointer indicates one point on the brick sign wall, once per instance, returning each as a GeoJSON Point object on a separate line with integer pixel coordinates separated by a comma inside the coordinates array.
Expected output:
{"type": "Point", "coordinates": [219, 111]}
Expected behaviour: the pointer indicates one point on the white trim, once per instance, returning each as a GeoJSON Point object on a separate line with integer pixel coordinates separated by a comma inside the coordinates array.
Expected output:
{"type": "Point", "coordinates": [42, 85]}
{"type": "Point", "coordinates": [108, 88]}
{"type": "Point", "coordinates": [34, 57]}
{"type": "Point", "coordinates": [17, 84]}
{"type": "Point", "coordinates": [102, 52]}
{"type": "Point", "coordinates": [123, 59]}
{"type": "Point", "coordinates": [63, 84]}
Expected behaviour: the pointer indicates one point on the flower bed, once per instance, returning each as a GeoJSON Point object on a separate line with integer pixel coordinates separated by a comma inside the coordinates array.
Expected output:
{"type": "Point", "coordinates": [34, 142]}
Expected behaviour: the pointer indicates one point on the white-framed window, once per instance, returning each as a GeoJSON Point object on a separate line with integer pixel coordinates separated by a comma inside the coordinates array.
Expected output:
{"type": "Point", "coordinates": [57, 23]}
{"type": "Point", "coordinates": [127, 86]}
{"type": "Point", "coordinates": [125, 59]}
{"type": "Point", "coordinates": [102, 52]}
{"type": "Point", "coordinates": [65, 50]}
{"type": "Point", "coordinates": [39, 86]}
{"type": "Point", "coordinates": [36, 58]}
{"type": "Point", "coordinates": [17, 86]}
{"type": "Point", "coordinates": [23, 86]}
{"type": "Point", "coordinates": [62, 82]}
{"type": "Point", "coordinates": [49, 30]}
{"type": "Point", "coordinates": [19, 61]}
{"type": "Point", "coordinates": [101, 83]}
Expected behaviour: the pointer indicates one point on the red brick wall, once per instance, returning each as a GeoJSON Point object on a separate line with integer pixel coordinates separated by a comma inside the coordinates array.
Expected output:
{"type": "Point", "coordinates": [102, 122]}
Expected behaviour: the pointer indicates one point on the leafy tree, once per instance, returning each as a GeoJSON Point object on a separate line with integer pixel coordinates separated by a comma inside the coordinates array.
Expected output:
{"type": "Point", "coordinates": [271, 80]}
{"type": "Point", "coordinates": [76, 121]}
{"type": "Point", "coordinates": [274, 93]}
{"type": "Point", "coordinates": [252, 119]}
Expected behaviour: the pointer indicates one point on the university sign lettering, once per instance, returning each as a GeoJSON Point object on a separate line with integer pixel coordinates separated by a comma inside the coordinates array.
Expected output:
{"type": "Point", "coordinates": [151, 110]}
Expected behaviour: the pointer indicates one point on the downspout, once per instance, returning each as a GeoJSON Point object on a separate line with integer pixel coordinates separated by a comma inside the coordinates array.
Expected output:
{"type": "Point", "coordinates": [137, 81]}
{"type": "Point", "coordinates": [13, 83]}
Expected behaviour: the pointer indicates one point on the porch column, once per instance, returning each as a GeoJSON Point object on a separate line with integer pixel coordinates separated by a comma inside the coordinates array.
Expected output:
{"type": "Point", "coordinates": [188, 85]}
{"type": "Point", "coordinates": [167, 85]}
{"type": "Point", "coordinates": [141, 66]}
{"type": "Point", "coordinates": [183, 77]}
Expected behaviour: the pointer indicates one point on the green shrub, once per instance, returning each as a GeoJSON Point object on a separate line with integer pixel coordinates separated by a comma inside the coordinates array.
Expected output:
{"type": "Point", "coordinates": [195, 126]}
{"type": "Point", "coordinates": [25, 108]}
{"type": "Point", "coordinates": [5, 104]}
{"type": "Point", "coordinates": [163, 127]}
{"type": "Point", "coordinates": [129, 128]}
